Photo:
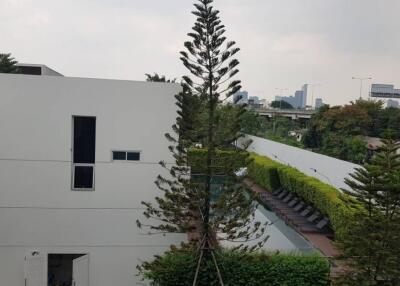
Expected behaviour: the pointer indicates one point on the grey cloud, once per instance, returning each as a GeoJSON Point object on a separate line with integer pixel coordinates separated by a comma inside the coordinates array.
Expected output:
{"type": "Point", "coordinates": [285, 43]}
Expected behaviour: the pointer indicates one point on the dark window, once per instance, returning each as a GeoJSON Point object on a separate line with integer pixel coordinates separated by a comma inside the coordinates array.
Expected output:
{"type": "Point", "coordinates": [133, 156]}
{"type": "Point", "coordinates": [83, 177]}
{"type": "Point", "coordinates": [119, 155]}
{"type": "Point", "coordinates": [31, 70]}
{"type": "Point", "coordinates": [126, 156]}
{"type": "Point", "coordinates": [84, 139]}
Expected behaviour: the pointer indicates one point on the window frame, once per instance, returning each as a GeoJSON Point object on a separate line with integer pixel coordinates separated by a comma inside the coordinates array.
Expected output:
{"type": "Point", "coordinates": [126, 155]}
{"type": "Point", "coordinates": [82, 164]}
{"type": "Point", "coordinates": [93, 177]}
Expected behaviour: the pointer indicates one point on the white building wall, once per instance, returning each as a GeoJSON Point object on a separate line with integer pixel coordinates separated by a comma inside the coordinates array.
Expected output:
{"type": "Point", "coordinates": [38, 209]}
{"type": "Point", "coordinates": [329, 170]}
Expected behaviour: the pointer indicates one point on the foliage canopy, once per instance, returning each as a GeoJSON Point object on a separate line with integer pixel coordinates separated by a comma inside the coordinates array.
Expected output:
{"type": "Point", "coordinates": [8, 64]}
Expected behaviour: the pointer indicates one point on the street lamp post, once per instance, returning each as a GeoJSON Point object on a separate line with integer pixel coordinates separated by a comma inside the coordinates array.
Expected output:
{"type": "Point", "coordinates": [361, 79]}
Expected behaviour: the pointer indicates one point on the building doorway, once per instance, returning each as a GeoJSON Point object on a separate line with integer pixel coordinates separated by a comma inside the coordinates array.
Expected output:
{"type": "Point", "coordinates": [68, 270]}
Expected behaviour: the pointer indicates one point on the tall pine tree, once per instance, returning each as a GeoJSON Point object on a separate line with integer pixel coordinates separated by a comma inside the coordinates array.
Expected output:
{"type": "Point", "coordinates": [371, 249]}
{"type": "Point", "coordinates": [203, 196]}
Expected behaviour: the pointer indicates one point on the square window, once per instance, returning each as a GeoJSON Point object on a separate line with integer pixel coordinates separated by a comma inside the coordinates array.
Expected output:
{"type": "Point", "coordinates": [133, 156]}
{"type": "Point", "coordinates": [83, 177]}
{"type": "Point", "coordinates": [119, 155]}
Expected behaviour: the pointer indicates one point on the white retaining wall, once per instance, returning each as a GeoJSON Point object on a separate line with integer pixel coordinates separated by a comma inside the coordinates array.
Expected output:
{"type": "Point", "coordinates": [329, 170]}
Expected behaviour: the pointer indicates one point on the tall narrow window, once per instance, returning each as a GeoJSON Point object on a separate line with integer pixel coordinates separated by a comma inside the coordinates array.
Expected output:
{"type": "Point", "coordinates": [84, 143]}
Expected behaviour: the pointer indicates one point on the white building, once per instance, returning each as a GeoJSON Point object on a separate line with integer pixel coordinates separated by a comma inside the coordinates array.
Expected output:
{"type": "Point", "coordinates": [392, 103]}
{"type": "Point", "coordinates": [77, 157]}
{"type": "Point", "coordinates": [304, 89]}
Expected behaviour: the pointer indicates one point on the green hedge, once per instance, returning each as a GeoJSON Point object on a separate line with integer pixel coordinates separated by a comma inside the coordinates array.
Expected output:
{"type": "Point", "coordinates": [340, 208]}
{"type": "Point", "coordinates": [264, 172]}
{"type": "Point", "coordinates": [177, 268]}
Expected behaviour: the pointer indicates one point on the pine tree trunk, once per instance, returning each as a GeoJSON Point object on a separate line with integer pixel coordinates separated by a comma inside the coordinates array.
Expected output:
{"type": "Point", "coordinates": [210, 153]}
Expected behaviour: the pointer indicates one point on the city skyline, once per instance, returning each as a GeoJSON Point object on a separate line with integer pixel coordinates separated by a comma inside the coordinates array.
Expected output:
{"type": "Point", "coordinates": [325, 43]}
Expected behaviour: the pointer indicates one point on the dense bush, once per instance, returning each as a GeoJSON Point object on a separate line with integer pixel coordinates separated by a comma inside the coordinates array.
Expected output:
{"type": "Point", "coordinates": [177, 268]}
{"type": "Point", "coordinates": [331, 202]}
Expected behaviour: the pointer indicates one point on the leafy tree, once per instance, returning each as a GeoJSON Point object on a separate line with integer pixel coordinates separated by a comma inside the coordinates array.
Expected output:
{"type": "Point", "coordinates": [281, 104]}
{"type": "Point", "coordinates": [280, 126]}
{"type": "Point", "coordinates": [349, 120]}
{"type": "Point", "coordinates": [191, 204]}
{"type": "Point", "coordinates": [345, 120]}
{"type": "Point", "coordinates": [371, 249]}
{"type": "Point", "coordinates": [338, 131]}
{"type": "Point", "coordinates": [8, 64]}
{"type": "Point", "coordinates": [252, 123]}
{"type": "Point", "coordinates": [353, 148]}
{"type": "Point", "coordinates": [389, 121]}
{"type": "Point", "coordinates": [313, 137]}
{"type": "Point", "coordinates": [373, 108]}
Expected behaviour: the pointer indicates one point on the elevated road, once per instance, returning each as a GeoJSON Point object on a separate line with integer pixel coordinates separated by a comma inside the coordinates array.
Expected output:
{"type": "Point", "coordinates": [291, 113]}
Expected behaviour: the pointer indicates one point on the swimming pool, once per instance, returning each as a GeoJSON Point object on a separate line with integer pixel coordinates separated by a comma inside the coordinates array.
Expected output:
{"type": "Point", "coordinates": [282, 238]}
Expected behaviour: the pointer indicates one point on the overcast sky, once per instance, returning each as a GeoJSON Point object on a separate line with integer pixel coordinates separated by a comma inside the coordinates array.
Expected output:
{"type": "Point", "coordinates": [284, 43]}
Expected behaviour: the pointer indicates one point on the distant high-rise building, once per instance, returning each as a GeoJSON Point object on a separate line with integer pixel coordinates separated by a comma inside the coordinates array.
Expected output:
{"type": "Point", "coordinates": [392, 103]}
{"type": "Point", "coordinates": [263, 102]}
{"type": "Point", "coordinates": [298, 96]}
{"type": "Point", "coordinates": [289, 99]}
{"type": "Point", "coordinates": [255, 102]}
{"type": "Point", "coordinates": [305, 93]}
{"type": "Point", "coordinates": [254, 99]}
{"type": "Point", "coordinates": [318, 103]}
{"type": "Point", "coordinates": [241, 97]}
{"type": "Point", "coordinates": [299, 99]}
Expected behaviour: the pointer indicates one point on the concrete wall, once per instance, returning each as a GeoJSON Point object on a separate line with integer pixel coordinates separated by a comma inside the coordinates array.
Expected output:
{"type": "Point", "coordinates": [329, 170]}
{"type": "Point", "coordinates": [38, 209]}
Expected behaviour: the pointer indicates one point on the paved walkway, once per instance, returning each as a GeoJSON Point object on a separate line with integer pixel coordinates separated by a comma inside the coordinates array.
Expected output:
{"type": "Point", "coordinates": [321, 240]}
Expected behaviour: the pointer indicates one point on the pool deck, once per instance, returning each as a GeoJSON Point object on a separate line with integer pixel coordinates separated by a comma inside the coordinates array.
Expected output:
{"type": "Point", "coordinates": [321, 240]}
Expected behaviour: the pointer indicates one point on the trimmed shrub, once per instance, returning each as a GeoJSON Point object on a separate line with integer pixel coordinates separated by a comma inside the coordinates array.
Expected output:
{"type": "Point", "coordinates": [177, 268]}
{"type": "Point", "coordinates": [339, 207]}
{"type": "Point", "coordinates": [264, 172]}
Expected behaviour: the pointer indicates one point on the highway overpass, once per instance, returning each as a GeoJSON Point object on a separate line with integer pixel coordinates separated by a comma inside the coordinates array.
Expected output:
{"type": "Point", "coordinates": [291, 113]}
